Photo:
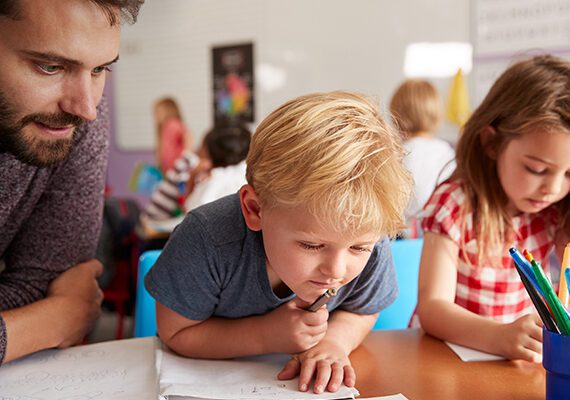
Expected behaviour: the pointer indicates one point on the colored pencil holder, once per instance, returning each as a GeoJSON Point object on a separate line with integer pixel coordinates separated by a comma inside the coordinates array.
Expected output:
{"type": "Point", "coordinates": [556, 361]}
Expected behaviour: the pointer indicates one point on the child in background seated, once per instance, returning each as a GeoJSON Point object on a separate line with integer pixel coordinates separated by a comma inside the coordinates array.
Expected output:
{"type": "Point", "coordinates": [510, 188]}
{"type": "Point", "coordinates": [326, 184]}
{"type": "Point", "coordinates": [172, 137]}
{"type": "Point", "coordinates": [417, 112]}
{"type": "Point", "coordinates": [217, 170]}
{"type": "Point", "coordinates": [225, 150]}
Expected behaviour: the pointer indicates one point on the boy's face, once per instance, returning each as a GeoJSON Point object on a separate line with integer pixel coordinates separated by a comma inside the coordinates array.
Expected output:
{"type": "Point", "coordinates": [53, 60]}
{"type": "Point", "coordinates": [307, 257]}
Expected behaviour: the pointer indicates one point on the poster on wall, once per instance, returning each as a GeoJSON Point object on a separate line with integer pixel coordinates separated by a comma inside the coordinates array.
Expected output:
{"type": "Point", "coordinates": [233, 83]}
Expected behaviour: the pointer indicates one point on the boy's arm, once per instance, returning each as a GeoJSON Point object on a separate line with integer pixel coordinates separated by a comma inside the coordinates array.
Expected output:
{"type": "Point", "coordinates": [441, 317]}
{"type": "Point", "coordinates": [328, 361]}
{"type": "Point", "coordinates": [288, 329]}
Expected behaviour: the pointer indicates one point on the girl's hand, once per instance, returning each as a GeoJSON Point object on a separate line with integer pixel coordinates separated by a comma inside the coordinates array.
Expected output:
{"type": "Point", "coordinates": [522, 339]}
{"type": "Point", "coordinates": [327, 362]}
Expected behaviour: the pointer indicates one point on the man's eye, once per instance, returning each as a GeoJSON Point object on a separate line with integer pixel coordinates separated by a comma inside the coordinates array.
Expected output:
{"type": "Point", "coordinates": [49, 69]}
{"type": "Point", "coordinates": [100, 70]}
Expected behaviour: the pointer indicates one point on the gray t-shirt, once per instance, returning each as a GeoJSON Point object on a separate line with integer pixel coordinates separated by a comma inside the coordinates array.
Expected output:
{"type": "Point", "coordinates": [214, 265]}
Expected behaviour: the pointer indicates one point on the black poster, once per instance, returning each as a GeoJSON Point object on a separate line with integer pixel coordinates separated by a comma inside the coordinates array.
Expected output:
{"type": "Point", "coordinates": [233, 83]}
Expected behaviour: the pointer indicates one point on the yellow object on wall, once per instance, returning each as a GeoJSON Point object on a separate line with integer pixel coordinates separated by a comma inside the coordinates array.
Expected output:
{"type": "Point", "coordinates": [458, 109]}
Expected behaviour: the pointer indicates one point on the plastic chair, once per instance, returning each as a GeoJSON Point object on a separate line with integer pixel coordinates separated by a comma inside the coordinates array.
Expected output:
{"type": "Point", "coordinates": [145, 312]}
{"type": "Point", "coordinates": [406, 255]}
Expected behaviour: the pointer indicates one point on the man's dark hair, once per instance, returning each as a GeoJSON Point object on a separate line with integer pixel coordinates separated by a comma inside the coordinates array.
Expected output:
{"type": "Point", "coordinates": [129, 9]}
{"type": "Point", "coordinates": [227, 144]}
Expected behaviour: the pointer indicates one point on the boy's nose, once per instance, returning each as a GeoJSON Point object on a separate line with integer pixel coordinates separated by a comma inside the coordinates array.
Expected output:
{"type": "Point", "coordinates": [334, 268]}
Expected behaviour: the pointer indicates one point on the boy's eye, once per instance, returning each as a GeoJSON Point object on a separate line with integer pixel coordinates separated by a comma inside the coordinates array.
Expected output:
{"type": "Point", "coordinates": [535, 171]}
{"type": "Point", "coordinates": [308, 246]}
{"type": "Point", "coordinates": [49, 69]}
{"type": "Point", "coordinates": [361, 249]}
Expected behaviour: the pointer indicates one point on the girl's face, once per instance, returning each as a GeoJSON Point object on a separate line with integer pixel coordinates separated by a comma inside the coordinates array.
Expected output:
{"type": "Point", "coordinates": [534, 170]}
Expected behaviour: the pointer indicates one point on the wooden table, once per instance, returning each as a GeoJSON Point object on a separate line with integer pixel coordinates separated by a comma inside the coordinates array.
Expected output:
{"type": "Point", "coordinates": [422, 367]}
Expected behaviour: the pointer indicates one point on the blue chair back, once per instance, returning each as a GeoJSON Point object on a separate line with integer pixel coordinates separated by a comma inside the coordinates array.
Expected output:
{"type": "Point", "coordinates": [145, 312]}
{"type": "Point", "coordinates": [406, 254]}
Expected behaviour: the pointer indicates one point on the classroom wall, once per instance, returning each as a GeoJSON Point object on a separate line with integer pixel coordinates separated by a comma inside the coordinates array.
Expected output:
{"type": "Point", "coordinates": [321, 45]}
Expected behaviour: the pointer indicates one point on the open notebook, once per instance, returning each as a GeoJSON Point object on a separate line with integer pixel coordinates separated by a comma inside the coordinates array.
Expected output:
{"type": "Point", "coordinates": [138, 369]}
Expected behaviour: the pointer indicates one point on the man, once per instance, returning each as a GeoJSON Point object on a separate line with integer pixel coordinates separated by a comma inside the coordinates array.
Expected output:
{"type": "Point", "coordinates": [54, 57]}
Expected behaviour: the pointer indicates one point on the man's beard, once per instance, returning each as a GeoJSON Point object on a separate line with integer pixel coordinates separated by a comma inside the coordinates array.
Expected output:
{"type": "Point", "coordinates": [32, 149]}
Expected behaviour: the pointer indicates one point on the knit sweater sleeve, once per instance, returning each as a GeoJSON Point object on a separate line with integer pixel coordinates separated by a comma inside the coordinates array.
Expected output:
{"type": "Point", "coordinates": [63, 226]}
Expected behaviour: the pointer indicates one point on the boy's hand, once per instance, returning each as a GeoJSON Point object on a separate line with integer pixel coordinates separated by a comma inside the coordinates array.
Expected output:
{"type": "Point", "coordinates": [292, 329]}
{"type": "Point", "coordinates": [78, 298]}
{"type": "Point", "coordinates": [327, 362]}
{"type": "Point", "coordinates": [522, 339]}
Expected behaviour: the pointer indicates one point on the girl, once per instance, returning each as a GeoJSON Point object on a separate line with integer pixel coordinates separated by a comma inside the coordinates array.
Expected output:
{"type": "Point", "coordinates": [510, 188]}
{"type": "Point", "coordinates": [172, 137]}
{"type": "Point", "coordinates": [417, 112]}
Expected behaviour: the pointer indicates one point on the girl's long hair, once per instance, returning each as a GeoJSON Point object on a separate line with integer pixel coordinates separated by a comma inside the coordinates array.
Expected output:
{"type": "Point", "coordinates": [529, 96]}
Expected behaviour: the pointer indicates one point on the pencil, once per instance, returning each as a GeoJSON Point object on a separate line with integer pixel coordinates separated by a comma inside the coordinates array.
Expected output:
{"type": "Point", "coordinates": [322, 300]}
{"type": "Point", "coordinates": [538, 302]}
{"type": "Point", "coordinates": [550, 297]}
{"type": "Point", "coordinates": [563, 286]}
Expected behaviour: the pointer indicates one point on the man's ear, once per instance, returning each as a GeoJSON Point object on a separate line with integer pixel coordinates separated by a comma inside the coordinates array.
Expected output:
{"type": "Point", "coordinates": [250, 207]}
{"type": "Point", "coordinates": [488, 136]}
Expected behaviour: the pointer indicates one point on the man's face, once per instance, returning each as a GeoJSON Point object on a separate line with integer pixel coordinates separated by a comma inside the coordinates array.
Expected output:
{"type": "Point", "coordinates": [54, 58]}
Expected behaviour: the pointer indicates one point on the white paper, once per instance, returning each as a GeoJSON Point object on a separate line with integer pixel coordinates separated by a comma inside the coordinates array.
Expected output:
{"type": "Point", "coordinates": [245, 378]}
{"type": "Point", "coordinates": [167, 225]}
{"type": "Point", "coordinates": [398, 396]}
{"type": "Point", "coordinates": [468, 354]}
{"type": "Point", "coordinates": [117, 370]}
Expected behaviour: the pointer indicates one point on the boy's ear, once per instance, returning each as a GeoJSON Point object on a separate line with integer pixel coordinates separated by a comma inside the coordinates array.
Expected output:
{"type": "Point", "coordinates": [488, 134]}
{"type": "Point", "coordinates": [250, 207]}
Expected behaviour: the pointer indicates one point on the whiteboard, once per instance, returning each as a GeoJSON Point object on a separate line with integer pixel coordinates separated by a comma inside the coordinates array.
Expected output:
{"type": "Point", "coordinates": [505, 31]}
{"type": "Point", "coordinates": [300, 46]}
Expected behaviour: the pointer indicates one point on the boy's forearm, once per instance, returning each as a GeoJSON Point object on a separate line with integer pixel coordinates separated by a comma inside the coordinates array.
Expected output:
{"type": "Point", "coordinates": [220, 338]}
{"type": "Point", "coordinates": [348, 329]}
{"type": "Point", "coordinates": [448, 321]}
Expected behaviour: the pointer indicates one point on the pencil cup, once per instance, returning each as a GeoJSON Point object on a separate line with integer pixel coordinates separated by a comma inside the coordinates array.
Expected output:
{"type": "Point", "coordinates": [556, 361]}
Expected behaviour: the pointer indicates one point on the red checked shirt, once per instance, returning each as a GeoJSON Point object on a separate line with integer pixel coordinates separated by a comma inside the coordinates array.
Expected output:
{"type": "Point", "coordinates": [493, 291]}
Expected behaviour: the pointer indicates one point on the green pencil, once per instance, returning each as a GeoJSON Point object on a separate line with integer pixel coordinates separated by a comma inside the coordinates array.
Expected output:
{"type": "Point", "coordinates": [551, 298]}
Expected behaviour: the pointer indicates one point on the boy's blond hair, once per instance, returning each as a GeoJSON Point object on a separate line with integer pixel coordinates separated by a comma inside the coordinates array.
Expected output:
{"type": "Point", "coordinates": [416, 107]}
{"type": "Point", "coordinates": [334, 154]}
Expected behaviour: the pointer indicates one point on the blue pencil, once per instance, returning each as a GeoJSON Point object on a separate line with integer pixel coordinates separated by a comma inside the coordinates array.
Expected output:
{"type": "Point", "coordinates": [525, 267]}
{"type": "Point", "coordinates": [539, 303]}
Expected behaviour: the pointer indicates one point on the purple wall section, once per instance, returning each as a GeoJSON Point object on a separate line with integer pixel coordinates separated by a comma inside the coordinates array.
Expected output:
{"type": "Point", "coordinates": [121, 162]}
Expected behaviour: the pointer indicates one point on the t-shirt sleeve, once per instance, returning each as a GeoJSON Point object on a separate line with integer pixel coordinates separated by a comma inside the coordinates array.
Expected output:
{"type": "Point", "coordinates": [185, 278]}
{"type": "Point", "coordinates": [442, 211]}
{"type": "Point", "coordinates": [376, 286]}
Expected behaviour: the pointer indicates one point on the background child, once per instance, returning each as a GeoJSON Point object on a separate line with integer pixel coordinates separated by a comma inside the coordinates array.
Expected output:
{"type": "Point", "coordinates": [224, 170]}
{"type": "Point", "coordinates": [172, 137]}
{"type": "Point", "coordinates": [217, 170]}
{"type": "Point", "coordinates": [417, 112]}
{"type": "Point", "coordinates": [326, 183]}
{"type": "Point", "coordinates": [510, 188]}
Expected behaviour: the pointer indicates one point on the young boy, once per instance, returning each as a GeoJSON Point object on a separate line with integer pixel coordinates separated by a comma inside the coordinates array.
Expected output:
{"type": "Point", "coordinates": [326, 184]}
